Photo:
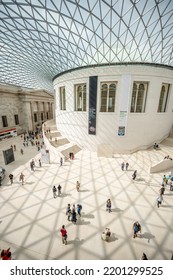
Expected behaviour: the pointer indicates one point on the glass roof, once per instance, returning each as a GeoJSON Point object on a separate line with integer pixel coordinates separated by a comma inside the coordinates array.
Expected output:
{"type": "Point", "coordinates": [41, 38]}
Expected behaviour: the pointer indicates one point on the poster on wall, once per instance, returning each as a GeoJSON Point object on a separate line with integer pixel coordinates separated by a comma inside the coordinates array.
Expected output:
{"type": "Point", "coordinates": [92, 105]}
{"type": "Point", "coordinates": [123, 105]}
{"type": "Point", "coordinates": [121, 130]}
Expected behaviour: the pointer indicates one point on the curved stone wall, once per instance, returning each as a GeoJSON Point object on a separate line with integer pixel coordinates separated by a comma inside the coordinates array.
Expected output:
{"type": "Point", "coordinates": [122, 130]}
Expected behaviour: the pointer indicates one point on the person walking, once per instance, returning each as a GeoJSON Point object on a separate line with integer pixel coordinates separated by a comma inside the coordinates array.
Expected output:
{"type": "Point", "coordinates": [79, 208]}
{"type": "Point", "coordinates": [11, 178]}
{"type": "Point", "coordinates": [6, 254]}
{"type": "Point", "coordinates": [73, 216]}
{"type": "Point", "coordinates": [106, 234]}
{"type": "Point", "coordinates": [164, 180]}
{"type": "Point", "coordinates": [21, 151]}
{"type": "Point", "coordinates": [108, 205]}
{"type": "Point", "coordinates": [122, 166]}
{"type": "Point", "coordinates": [59, 190]}
{"type": "Point", "coordinates": [63, 235]}
{"type": "Point", "coordinates": [68, 212]}
{"type": "Point", "coordinates": [162, 190]}
{"type": "Point", "coordinates": [134, 175]}
{"type": "Point", "coordinates": [61, 161]}
{"type": "Point", "coordinates": [21, 178]}
{"type": "Point", "coordinates": [39, 161]}
{"type": "Point", "coordinates": [127, 166]}
{"type": "Point", "coordinates": [54, 191]}
{"type": "Point", "coordinates": [144, 257]}
{"type": "Point", "coordinates": [77, 186]}
{"type": "Point", "coordinates": [136, 229]}
{"type": "Point", "coordinates": [159, 200]}
{"type": "Point", "coordinates": [31, 166]}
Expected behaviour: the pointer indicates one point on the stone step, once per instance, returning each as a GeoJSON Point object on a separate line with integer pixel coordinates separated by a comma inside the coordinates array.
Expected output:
{"type": "Point", "coordinates": [71, 149]}
{"type": "Point", "coordinates": [59, 142]}
{"type": "Point", "coordinates": [53, 134]}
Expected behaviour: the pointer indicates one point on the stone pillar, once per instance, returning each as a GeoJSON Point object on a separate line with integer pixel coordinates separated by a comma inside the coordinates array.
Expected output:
{"type": "Point", "coordinates": [44, 112]}
{"type": "Point", "coordinates": [39, 112]}
{"type": "Point", "coordinates": [32, 115]}
{"type": "Point", "coordinates": [50, 111]}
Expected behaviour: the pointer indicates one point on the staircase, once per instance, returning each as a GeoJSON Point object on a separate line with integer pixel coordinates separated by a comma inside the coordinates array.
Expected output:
{"type": "Point", "coordinates": [62, 144]}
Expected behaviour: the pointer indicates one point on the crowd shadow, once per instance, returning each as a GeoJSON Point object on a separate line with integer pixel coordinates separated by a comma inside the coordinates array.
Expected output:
{"type": "Point", "coordinates": [81, 222]}
{"type": "Point", "coordinates": [117, 210]}
{"type": "Point", "coordinates": [146, 235]}
{"type": "Point", "coordinates": [167, 206]}
{"type": "Point", "coordinates": [64, 195]}
{"type": "Point", "coordinates": [88, 216]}
{"type": "Point", "coordinates": [140, 179]}
{"type": "Point", "coordinates": [27, 183]}
{"type": "Point", "coordinates": [113, 238]}
{"type": "Point", "coordinates": [76, 242]}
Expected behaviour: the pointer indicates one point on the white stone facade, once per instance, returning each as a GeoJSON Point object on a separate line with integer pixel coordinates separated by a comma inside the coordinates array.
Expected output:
{"type": "Point", "coordinates": [141, 129]}
{"type": "Point", "coordinates": [33, 107]}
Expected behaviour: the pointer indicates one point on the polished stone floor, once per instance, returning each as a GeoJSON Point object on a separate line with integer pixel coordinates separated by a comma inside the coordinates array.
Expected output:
{"type": "Point", "coordinates": [30, 218]}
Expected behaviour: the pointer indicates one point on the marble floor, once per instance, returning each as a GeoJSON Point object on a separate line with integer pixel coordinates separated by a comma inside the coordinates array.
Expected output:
{"type": "Point", "coordinates": [30, 218]}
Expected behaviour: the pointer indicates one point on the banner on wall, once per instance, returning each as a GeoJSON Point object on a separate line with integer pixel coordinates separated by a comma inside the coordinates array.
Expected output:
{"type": "Point", "coordinates": [92, 105]}
{"type": "Point", "coordinates": [124, 104]}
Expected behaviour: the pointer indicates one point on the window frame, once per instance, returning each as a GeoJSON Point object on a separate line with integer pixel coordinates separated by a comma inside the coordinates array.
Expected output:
{"type": "Point", "coordinates": [135, 97]}
{"type": "Point", "coordinates": [80, 103]}
{"type": "Point", "coordinates": [4, 121]}
{"type": "Point", "coordinates": [107, 97]}
{"type": "Point", "coordinates": [16, 119]}
{"type": "Point", "coordinates": [162, 108]}
{"type": "Point", "coordinates": [35, 117]}
{"type": "Point", "coordinates": [62, 95]}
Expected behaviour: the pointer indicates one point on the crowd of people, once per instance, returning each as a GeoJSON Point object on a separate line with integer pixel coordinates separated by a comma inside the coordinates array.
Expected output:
{"type": "Point", "coordinates": [73, 212]}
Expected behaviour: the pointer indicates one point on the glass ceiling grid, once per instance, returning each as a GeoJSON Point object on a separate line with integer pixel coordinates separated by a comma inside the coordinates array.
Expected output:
{"type": "Point", "coordinates": [39, 39]}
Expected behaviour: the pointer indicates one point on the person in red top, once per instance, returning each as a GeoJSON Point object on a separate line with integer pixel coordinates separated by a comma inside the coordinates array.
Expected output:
{"type": "Point", "coordinates": [64, 235]}
{"type": "Point", "coordinates": [6, 254]}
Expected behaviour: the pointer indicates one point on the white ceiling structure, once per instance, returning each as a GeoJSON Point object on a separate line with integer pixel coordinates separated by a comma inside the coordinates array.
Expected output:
{"type": "Point", "coordinates": [42, 38]}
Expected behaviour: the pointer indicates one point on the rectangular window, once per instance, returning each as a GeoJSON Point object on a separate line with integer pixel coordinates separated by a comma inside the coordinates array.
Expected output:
{"type": "Point", "coordinates": [4, 121]}
{"type": "Point", "coordinates": [108, 93]}
{"type": "Point", "coordinates": [42, 117]}
{"type": "Point", "coordinates": [80, 97]}
{"type": "Point", "coordinates": [35, 117]}
{"type": "Point", "coordinates": [62, 98]}
{"type": "Point", "coordinates": [16, 119]}
{"type": "Point", "coordinates": [47, 114]}
{"type": "Point", "coordinates": [163, 98]}
{"type": "Point", "coordinates": [139, 95]}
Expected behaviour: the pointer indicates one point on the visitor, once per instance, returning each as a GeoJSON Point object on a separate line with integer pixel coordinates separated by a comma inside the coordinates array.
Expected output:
{"type": "Point", "coordinates": [136, 229]}
{"type": "Point", "coordinates": [54, 191]}
{"type": "Point", "coordinates": [106, 234]}
{"type": "Point", "coordinates": [159, 200]}
{"type": "Point", "coordinates": [63, 235]}
{"type": "Point", "coordinates": [11, 178]}
{"type": "Point", "coordinates": [59, 190]}
{"type": "Point", "coordinates": [108, 205]}
{"type": "Point", "coordinates": [77, 186]}
{"type": "Point", "coordinates": [134, 175]}
{"type": "Point", "coordinates": [21, 178]}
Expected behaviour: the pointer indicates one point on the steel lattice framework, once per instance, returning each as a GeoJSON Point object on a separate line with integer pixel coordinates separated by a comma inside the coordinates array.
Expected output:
{"type": "Point", "coordinates": [41, 38]}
